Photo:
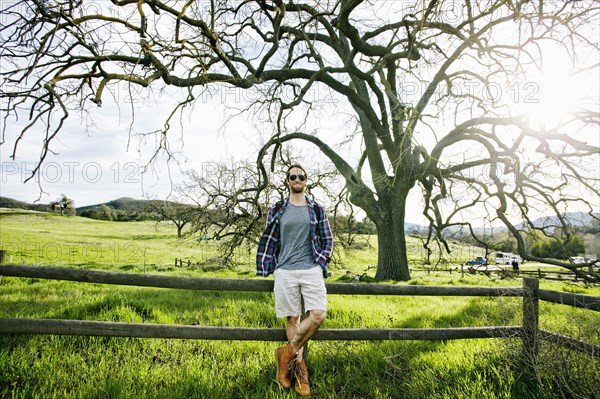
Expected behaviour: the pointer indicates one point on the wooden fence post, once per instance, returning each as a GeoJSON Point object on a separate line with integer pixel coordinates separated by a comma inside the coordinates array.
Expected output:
{"type": "Point", "coordinates": [2, 260]}
{"type": "Point", "coordinates": [530, 325]}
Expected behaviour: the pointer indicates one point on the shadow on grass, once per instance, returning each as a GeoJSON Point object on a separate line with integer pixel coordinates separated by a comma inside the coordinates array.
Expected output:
{"type": "Point", "coordinates": [479, 311]}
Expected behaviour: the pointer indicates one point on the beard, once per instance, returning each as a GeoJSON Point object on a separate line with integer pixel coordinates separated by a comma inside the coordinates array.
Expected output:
{"type": "Point", "coordinates": [297, 190]}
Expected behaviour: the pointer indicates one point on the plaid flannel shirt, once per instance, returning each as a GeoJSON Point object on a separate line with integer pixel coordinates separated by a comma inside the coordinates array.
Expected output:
{"type": "Point", "coordinates": [320, 236]}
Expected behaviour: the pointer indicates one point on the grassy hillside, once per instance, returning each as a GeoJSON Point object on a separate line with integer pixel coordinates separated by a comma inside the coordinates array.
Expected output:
{"type": "Point", "coordinates": [39, 238]}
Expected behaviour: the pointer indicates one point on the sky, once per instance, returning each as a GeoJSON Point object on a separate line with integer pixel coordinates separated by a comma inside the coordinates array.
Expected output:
{"type": "Point", "coordinates": [102, 155]}
{"type": "Point", "coordinates": [95, 163]}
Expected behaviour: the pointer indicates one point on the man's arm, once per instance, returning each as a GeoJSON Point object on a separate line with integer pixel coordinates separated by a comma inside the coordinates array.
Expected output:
{"type": "Point", "coordinates": [325, 235]}
{"type": "Point", "coordinates": [271, 212]}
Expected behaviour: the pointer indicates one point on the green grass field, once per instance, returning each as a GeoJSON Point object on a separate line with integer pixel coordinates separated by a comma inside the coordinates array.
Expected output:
{"type": "Point", "coordinates": [35, 238]}
{"type": "Point", "coordinates": [46, 366]}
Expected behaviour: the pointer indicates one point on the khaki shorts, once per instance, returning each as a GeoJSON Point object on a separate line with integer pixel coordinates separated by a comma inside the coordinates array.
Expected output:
{"type": "Point", "coordinates": [293, 285]}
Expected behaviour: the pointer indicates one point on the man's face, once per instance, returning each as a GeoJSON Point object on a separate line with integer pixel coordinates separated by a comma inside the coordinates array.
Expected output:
{"type": "Point", "coordinates": [297, 184]}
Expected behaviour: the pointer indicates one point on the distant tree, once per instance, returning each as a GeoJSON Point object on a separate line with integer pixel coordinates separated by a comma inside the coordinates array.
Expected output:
{"type": "Point", "coordinates": [64, 205]}
{"type": "Point", "coordinates": [366, 226]}
{"type": "Point", "coordinates": [559, 248]}
{"type": "Point", "coordinates": [225, 209]}
{"type": "Point", "coordinates": [231, 211]}
{"type": "Point", "coordinates": [108, 212]}
{"type": "Point", "coordinates": [102, 212]}
{"type": "Point", "coordinates": [592, 228]}
{"type": "Point", "coordinates": [343, 220]}
{"type": "Point", "coordinates": [506, 246]}
{"type": "Point", "coordinates": [180, 214]}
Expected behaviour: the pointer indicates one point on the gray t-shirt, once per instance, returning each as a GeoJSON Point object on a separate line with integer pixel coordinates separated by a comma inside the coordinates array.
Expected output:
{"type": "Point", "coordinates": [295, 252]}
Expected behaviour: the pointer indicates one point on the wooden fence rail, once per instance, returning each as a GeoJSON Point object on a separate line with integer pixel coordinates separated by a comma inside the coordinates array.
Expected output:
{"type": "Point", "coordinates": [148, 330]}
{"type": "Point", "coordinates": [254, 285]}
{"type": "Point", "coordinates": [565, 298]}
{"type": "Point", "coordinates": [528, 332]}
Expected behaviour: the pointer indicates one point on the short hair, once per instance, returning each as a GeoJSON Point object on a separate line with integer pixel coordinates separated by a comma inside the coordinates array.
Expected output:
{"type": "Point", "coordinates": [287, 174]}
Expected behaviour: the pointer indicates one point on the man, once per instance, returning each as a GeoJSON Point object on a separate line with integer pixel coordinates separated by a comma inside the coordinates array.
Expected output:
{"type": "Point", "coordinates": [515, 266]}
{"type": "Point", "coordinates": [296, 246]}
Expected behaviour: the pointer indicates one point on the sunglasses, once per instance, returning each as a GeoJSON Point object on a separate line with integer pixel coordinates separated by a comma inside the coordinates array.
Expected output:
{"type": "Point", "coordinates": [293, 177]}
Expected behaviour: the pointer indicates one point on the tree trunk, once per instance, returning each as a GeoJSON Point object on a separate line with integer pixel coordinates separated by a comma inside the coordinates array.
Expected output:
{"type": "Point", "coordinates": [392, 258]}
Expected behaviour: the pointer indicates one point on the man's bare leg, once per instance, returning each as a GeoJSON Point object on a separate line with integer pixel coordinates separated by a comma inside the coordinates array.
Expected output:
{"type": "Point", "coordinates": [300, 332]}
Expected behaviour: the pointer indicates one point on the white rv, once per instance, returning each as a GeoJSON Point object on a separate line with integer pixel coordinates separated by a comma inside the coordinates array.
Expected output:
{"type": "Point", "coordinates": [506, 258]}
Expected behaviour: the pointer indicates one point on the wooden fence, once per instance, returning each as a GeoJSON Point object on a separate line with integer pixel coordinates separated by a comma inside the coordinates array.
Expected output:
{"type": "Point", "coordinates": [528, 332]}
{"type": "Point", "coordinates": [505, 272]}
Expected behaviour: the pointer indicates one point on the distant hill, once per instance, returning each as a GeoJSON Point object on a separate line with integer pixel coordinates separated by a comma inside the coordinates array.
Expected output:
{"type": "Point", "coordinates": [124, 208]}
{"type": "Point", "coordinates": [575, 219]}
{"type": "Point", "coordinates": [6, 202]}
{"type": "Point", "coordinates": [122, 204]}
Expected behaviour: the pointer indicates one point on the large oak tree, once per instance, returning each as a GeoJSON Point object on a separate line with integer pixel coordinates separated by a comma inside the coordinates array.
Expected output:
{"type": "Point", "coordinates": [421, 83]}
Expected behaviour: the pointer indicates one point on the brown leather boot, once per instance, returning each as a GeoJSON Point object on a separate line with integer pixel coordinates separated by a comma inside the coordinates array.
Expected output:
{"type": "Point", "coordinates": [284, 356]}
{"type": "Point", "coordinates": [301, 384]}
